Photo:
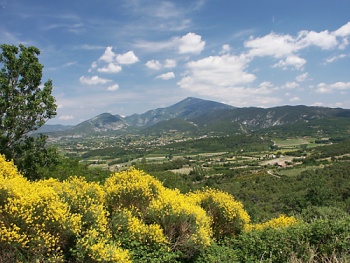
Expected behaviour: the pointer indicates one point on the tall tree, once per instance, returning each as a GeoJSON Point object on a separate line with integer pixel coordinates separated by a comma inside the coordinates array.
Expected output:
{"type": "Point", "coordinates": [24, 104]}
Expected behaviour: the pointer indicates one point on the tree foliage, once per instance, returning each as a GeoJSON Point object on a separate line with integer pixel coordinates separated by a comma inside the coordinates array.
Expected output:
{"type": "Point", "coordinates": [24, 104]}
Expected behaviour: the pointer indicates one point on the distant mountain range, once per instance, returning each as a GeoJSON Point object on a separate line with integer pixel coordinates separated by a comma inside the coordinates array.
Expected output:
{"type": "Point", "coordinates": [193, 115]}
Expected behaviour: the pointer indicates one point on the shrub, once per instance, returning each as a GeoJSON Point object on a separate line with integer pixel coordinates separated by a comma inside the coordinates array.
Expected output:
{"type": "Point", "coordinates": [34, 220]}
{"type": "Point", "coordinates": [49, 221]}
{"type": "Point", "coordinates": [317, 241]}
{"type": "Point", "coordinates": [279, 222]}
{"type": "Point", "coordinates": [228, 217]}
{"type": "Point", "coordinates": [186, 224]}
{"type": "Point", "coordinates": [146, 242]}
{"type": "Point", "coordinates": [132, 189]}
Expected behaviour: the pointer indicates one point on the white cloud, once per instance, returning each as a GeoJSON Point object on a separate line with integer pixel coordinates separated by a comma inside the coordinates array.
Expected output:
{"type": "Point", "coordinates": [94, 65]}
{"type": "Point", "coordinates": [214, 71]}
{"type": "Point", "coordinates": [153, 64]}
{"type": "Point", "coordinates": [94, 80]}
{"type": "Point", "coordinates": [156, 65]}
{"type": "Point", "coordinates": [274, 45]}
{"type": "Point", "coordinates": [324, 39]}
{"type": "Point", "coordinates": [113, 87]}
{"type": "Point", "coordinates": [225, 49]}
{"type": "Point", "coordinates": [191, 43]}
{"type": "Point", "coordinates": [127, 58]}
{"type": "Point", "coordinates": [294, 99]}
{"type": "Point", "coordinates": [286, 47]}
{"type": "Point", "coordinates": [317, 104]}
{"type": "Point", "coordinates": [323, 88]}
{"type": "Point", "coordinates": [334, 58]}
{"type": "Point", "coordinates": [110, 68]}
{"type": "Point", "coordinates": [302, 77]}
{"type": "Point", "coordinates": [293, 61]}
{"type": "Point", "coordinates": [330, 88]}
{"type": "Point", "coordinates": [166, 76]}
{"type": "Point", "coordinates": [157, 46]}
{"type": "Point", "coordinates": [225, 78]}
{"type": "Point", "coordinates": [343, 31]}
{"type": "Point", "coordinates": [66, 117]}
{"type": "Point", "coordinates": [291, 85]}
{"type": "Point", "coordinates": [341, 85]}
{"type": "Point", "coordinates": [108, 56]}
{"type": "Point", "coordinates": [170, 63]}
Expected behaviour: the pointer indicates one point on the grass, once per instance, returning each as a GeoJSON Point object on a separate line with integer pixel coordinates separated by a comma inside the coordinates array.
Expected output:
{"type": "Point", "coordinates": [295, 171]}
{"type": "Point", "coordinates": [293, 142]}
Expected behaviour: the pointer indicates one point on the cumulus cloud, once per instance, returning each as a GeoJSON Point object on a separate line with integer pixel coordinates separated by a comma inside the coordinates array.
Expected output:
{"type": "Point", "coordinates": [127, 58]}
{"type": "Point", "coordinates": [213, 71]}
{"type": "Point", "coordinates": [343, 31]}
{"type": "Point", "coordinates": [94, 80]}
{"type": "Point", "coordinates": [191, 43]}
{"type": "Point", "coordinates": [66, 117]}
{"type": "Point", "coordinates": [170, 63]}
{"type": "Point", "coordinates": [113, 87]}
{"type": "Point", "coordinates": [154, 64]}
{"type": "Point", "coordinates": [294, 99]}
{"type": "Point", "coordinates": [274, 45]}
{"type": "Point", "coordinates": [324, 39]}
{"type": "Point", "coordinates": [302, 77]}
{"type": "Point", "coordinates": [330, 88]}
{"type": "Point", "coordinates": [110, 68]}
{"type": "Point", "coordinates": [225, 49]}
{"type": "Point", "coordinates": [291, 85]}
{"type": "Point", "coordinates": [108, 56]}
{"type": "Point", "coordinates": [166, 76]}
{"type": "Point", "coordinates": [291, 61]}
{"type": "Point", "coordinates": [286, 47]}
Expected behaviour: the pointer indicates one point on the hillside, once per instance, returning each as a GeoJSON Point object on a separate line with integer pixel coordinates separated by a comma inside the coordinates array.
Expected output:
{"type": "Point", "coordinates": [203, 116]}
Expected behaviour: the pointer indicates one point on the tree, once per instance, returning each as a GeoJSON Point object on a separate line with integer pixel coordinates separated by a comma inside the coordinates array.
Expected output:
{"type": "Point", "coordinates": [25, 105]}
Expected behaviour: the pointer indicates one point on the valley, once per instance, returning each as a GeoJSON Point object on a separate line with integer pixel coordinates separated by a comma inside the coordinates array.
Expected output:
{"type": "Point", "coordinates": [206, 137]}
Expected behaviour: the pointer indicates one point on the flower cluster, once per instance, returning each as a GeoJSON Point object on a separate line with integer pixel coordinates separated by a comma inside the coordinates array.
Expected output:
{"type": "Point", "coordinates": [279, 222]}
{"type": "Point", "coordinates": [184, 223]}
{"type": "Point", "coordinates": [228, 217]}
{"type": "Point", "coordinates": [131, 217]}
{"type": "Point", "coordinates": [131, 189]}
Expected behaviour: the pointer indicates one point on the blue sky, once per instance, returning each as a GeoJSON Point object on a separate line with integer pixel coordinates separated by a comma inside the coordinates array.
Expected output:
{"type": "Point", "coordinates": [130, 56]}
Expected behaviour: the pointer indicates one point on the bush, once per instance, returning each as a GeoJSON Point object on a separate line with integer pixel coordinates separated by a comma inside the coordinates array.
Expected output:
{"type": "Point", "coordinates": [317, 241]}
{"type": "Point", "coordinates": [228, 217]}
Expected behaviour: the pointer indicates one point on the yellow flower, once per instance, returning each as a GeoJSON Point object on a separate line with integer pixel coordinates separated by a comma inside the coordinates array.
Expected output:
{"type": "Point", "coordinates": [228, 216]}
{"type": "Point", "coordinates": [279, 222]}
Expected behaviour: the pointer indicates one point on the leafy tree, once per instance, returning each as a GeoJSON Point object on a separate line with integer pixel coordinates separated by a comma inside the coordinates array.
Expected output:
{"type": "Point", "coordinates": [25, 105]}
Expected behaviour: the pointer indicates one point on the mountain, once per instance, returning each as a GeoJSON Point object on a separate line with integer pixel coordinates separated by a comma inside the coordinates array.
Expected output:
{"type": "Point", "coordinates": [102, 123]}
{"type": "Point", "coordinates": [260, 118]}
{"type": "Point", "coordinates": [204, 116]}
{"type": "Point", "coordinates": [53, 128]}
{"type": "Point", "coordinates": [188, 108]}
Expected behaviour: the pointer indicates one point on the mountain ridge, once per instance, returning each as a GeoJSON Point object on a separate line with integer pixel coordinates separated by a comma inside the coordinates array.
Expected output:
{"type": "Point", "coordinates": [195, 114]}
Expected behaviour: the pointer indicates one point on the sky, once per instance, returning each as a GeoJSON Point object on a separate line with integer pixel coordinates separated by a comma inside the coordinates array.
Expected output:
{"type": "Point", "coordinates": [131, 56]}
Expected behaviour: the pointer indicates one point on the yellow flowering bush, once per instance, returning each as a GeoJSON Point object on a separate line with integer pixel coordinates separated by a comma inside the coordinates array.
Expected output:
{"type": "Point", "coordinates": [33, 218]}
{"type": "Point", "coordinates": [85, 199]}
{"type": "Point", "coordinates": [132, 189]}
{"type": "Point", "coordinates": [228, 217]}
{"type": "Point", "coordinates": [153, 208]}
{"type": "Point", "coordinates": [132, 217]}
{"type": "Point", "coordinates": [96, 247]}
{"type": "Point", "coordinates": [186, 224]}
{"type": "Point", "coordinates": [48, 220]}
{"type": "Point", "coordinates": [278, 222]}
